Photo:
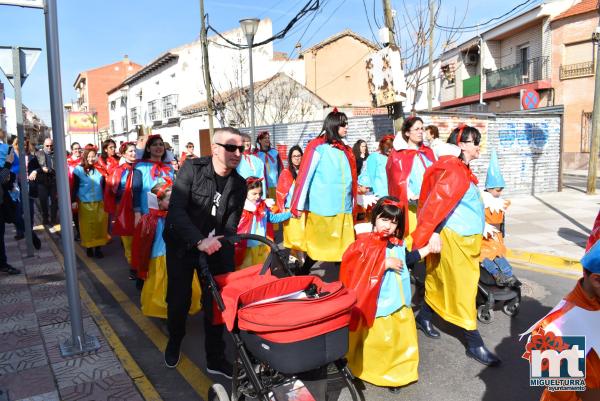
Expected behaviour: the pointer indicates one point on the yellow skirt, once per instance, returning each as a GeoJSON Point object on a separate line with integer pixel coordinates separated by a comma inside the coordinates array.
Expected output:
{"type": "Point", "coordinates": [254, 256]}
{"type": "Point", "coordinates": [126, 240]}
{"type": "Point", "coordinates": [293, 233]}
{"type": "Point", "coordinates": [412, 224]}
{"type": "Point", "coordinates": [154, 293]}
{"type": "Point", "coordinates": [451, 280]}
{"type": "Point", "coordinates": [93, 224]}
{"type": "Point", "coordinates": [327, 237]}
{"type": "Point", "coordinates": [386, 354]}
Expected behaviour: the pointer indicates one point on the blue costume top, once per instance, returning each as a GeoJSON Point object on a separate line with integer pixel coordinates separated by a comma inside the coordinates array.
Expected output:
{"type": "Point", "coordinates": [327, 190]}
{"type": "Point", "coordinates": [159, 247]}
{"type": "Point", "coordinates": [374, 175]}
{"type": "Point", "coordinates": [468, 217]}
{"type": "Point", "coordinates": [272, 164]}
{"type": "Point", "coordinates": [415, 179]}
{"type": "Point", "coordinates": [88, 187]}
{"type": "Point", "coordinates": [259, 227]}
{"type": "Point", "coordinates": [3, 153]}
{"type": "Point", "coordinates": [395, 289]}
{"type": "Point", "coordinates": [143, 183]}
{"type": "Point", "coordinates": [252, 166]}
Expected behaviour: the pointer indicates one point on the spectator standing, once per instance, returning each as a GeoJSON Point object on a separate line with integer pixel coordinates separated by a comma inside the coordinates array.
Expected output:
{"type": "Point", "coordinates": [45, 178]}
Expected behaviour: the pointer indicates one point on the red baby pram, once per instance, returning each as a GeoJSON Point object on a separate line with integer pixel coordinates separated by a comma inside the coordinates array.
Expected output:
{"type": "Point", "coordinates": [282, 326]}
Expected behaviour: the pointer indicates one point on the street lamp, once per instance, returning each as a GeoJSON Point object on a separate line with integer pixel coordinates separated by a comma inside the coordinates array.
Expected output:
{"type": "Point", "coordinates": [249, 27]}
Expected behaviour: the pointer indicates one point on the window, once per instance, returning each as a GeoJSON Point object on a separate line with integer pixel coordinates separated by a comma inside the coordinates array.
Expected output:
{"type": "Point", "coordinates": [134, 115]}
{"type": "Point", "coordinates": [124, 123]}
{"type": "Point", "coordinates": [113, 104]}
{"type": "Point", "coordinates": [175, 143]}
{"type": "Point", "coordinates": [579, 52]}
{"type": "Point", "coordinates": [523, 59]}
{"type": "Point", "coordinates": [112, 126]}
{"type": "Point", "coordinates": [169, 104]}
{"type": "Point", "coordinates": [153, 110]}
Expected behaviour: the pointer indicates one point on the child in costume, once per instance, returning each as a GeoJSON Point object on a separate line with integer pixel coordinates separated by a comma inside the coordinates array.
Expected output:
{"type": "Point", "coordinates": [153, 297]}
{"type": "Point", "coordinates": [293, 229]}
{"type": "Point", "coordinates": [256, 219]}
{"type": "Point", "coordinates": [405, 168]}
{"type": "Point", "coordinates": [383, 348]}
{"type": "Point", "coordinates": [272, 161]}
{"type": "Point", "coordinates": [251, 165]}
{"type": "Point", "coordinates": [578, 314]}
{"type": "Point", "coordinates": [88, 189]}
{"type": "Point", "coordinates": [493, 251]}
{"type": "Point", "coordinates": [326, 187]}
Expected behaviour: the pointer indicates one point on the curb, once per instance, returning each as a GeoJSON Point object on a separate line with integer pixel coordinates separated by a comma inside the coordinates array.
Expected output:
{"type": "Point", "coordinates": [554, 261]}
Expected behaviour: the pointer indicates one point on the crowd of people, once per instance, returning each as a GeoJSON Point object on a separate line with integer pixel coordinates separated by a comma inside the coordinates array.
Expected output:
{"type": "Point", "coordinates": [415, 200]}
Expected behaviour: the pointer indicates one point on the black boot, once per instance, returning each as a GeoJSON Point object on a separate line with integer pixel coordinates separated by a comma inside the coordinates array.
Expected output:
{"type": "Point", "coordinates": [89, 252]}
{"type": "Point", "coordinates": [482, 355]}
{"type": "Point", "coordinates": [427, 327]}
{"type": "Point", "coordinates": [98, 253]}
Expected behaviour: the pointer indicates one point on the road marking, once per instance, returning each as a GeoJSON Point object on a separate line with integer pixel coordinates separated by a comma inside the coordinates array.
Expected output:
{"type": "Point", "coordinates": [188, 369]}
{"type": "Point", "coordinates": [129, 364]}
{"type": "Point", "coordinates": [546, 270]}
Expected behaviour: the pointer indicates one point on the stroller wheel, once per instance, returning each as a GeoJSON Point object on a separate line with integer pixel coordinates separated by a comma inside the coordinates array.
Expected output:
{"type": "Point", "coordinates": [511, 308]}
{"type": "Point", "coordinates": [217, 392]}
{"type": "Point", "coordinates": [485, 315]}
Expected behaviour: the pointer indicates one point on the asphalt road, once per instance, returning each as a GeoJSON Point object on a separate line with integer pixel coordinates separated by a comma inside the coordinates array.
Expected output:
{"type": "Point", "coordinates": [444, 371]}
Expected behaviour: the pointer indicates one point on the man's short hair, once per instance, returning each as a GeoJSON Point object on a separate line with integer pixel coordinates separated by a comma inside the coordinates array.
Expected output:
{"type": "Point", "coordinates": [229, 130]}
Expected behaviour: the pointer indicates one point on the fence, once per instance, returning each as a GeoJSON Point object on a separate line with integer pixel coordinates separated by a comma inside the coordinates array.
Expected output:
{"type": "Point", "coordinates": [528, 145]}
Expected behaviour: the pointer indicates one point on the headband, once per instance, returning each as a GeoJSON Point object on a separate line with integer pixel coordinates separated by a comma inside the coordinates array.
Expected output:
{"type": "Point", "coordinates": [461, 128]}
{"type": "Point", "coordinates": [252, 180]}
{"type": "Point", "coordinates": [389, 202]}
{"type": "Point", "coordinates": [335, 110]}
{"type": "Point", "coordinates": [153, 136]}
{"type": "Point", "coordinates": [262, 134]}
{"type": "Point", "coordinates": [386, 138]}
{"type": "Point", "coordinates": [124, 146]}
{"type": "Point", "coordinates": [165, 187]}
{"type": "Point", "coordinates": [91, 147]}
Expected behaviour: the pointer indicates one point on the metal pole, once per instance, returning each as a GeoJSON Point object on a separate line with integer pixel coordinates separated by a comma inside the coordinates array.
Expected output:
{"type": "Point", "coordinates": [79, 342]}
{"type": "Point", "coordinates": [430, 80]}
{"type": "Point", "coordinates": [250, 39]}
{"type": "Point", "coordinates": [205, 67]}
{"type": "Point", "coordinates": [23, 182]}
{"type": "Point", "coordinates": [593, 165]}
{"type": "Point", "coordinates": [398, 113]}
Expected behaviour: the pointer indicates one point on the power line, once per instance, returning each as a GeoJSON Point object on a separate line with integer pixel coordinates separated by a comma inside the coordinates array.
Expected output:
{"type": "Point", "coordinates": [464, 28]}
{"type": "Point", "coordinates": [369, 22]}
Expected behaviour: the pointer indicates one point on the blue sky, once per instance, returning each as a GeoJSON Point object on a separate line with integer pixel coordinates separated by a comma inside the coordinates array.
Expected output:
{"type": "Point", "coordinates": [98, 32]}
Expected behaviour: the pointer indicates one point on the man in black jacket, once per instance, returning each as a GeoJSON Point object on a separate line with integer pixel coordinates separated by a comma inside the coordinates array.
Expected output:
{"type": "Point", "coordinates": [206, 204]}
{"type": "Point", "coordinates": [45, 177]}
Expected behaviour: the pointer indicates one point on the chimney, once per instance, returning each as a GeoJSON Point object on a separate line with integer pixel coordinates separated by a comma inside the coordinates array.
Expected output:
{"type": "Point", "coordinates": [125, 59]}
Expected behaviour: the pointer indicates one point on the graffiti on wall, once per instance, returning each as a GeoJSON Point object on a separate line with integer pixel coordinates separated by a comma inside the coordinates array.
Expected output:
{"type": "Point", "coordinates": [523, 137]}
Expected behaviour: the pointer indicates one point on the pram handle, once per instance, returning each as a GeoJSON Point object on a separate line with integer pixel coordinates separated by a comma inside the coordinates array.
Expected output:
{"type": "Point", "coordinates": [212, 285]}
{"type": "Point", "coordinates": [274, 249]}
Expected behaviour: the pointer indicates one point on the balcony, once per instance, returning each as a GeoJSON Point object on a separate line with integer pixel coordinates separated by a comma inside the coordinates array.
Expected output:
{"type": "Point", "coordinates": [529, 71]}
{"type": "Point", "coordinates": [471, 86]}
{"type": "Point", "coordinates": [578, 70]}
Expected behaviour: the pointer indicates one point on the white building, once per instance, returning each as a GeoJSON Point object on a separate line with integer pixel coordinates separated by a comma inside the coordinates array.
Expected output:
{"type": "Point", "coordinates": [153, 96]}
{"type": "Point", "coordinates": [417, 85]}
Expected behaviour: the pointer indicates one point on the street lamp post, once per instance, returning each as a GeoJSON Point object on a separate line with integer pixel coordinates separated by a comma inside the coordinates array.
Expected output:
{"type": "Point", "coordinates": [249, 27]}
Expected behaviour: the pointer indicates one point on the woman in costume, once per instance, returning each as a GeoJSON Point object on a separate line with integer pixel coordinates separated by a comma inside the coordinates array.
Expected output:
{"type": "Point", "coordinates": [405, 167]}
{"type": "Point", "coordinates": [451, 220]}
{"type": "Point", "coordinates": [293, 229]}
{"type": "Point", "coordinates": [88, 189]}
{"type": "Point", "coordinates": [108, 160]}
{"type": "Point", "coordinates": [119, 193]}
{"type": "Point", "coordinates": [256, 219]}
{"type": "Point", "coordinates": [326, 188]}
{"type": "Point", "coordinates": [375, 267]}
{"type": "Point", "coordinates": [272, 161]}
{"type": "Point", "coordinates": [74, 160]}
{"type": "Point", "coordinates": [374, 174]}
{"type": "Point", "coordinates": [251, 165]}
{"type": "Point", "coordinates": [361, 153]}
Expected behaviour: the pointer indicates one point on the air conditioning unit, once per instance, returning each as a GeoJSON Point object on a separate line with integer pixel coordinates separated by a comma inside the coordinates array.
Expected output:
{"type": "Point", "coordinates": [471, 58]}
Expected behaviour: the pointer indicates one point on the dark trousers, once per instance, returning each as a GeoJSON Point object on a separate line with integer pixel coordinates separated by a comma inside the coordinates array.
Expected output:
{"type": "Point", "coordinates": [180, 270]}
{"type": "Point", "coordinates": [45, 192]}
{"type": "Point", "coordinates": [472, 337]}
{"type": "Point", "coordinates": [20, 219]}
{"type": "Point", "coordinates": [3, 260]}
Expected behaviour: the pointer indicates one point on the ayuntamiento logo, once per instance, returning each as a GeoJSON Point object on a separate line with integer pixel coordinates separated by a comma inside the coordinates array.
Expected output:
{"type": "Point", "coordinates": [556, 362]}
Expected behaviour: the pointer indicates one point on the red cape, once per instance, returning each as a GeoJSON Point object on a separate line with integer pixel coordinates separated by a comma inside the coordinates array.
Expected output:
{"type": "Point", "coordinates": [305, 166]}
{"type": "Point", "coordinates": [398, 168]}
{"type": "Point", "coordinates": [362, 269]}
{"type": "Point", "coordinates": [444, 184]}
{"type": "Point", "coordinates": [107, 167]}
{"type": "Point", "coordinates": [283, 188]}
{"type": "Point", "coordinates": [123, 221]}
{"type": "Point", "coordinates": [143, 239]}
{"type": "Point", "coordinates": [595, 235]}
{"type": "Point", "coordinates": [245, 227]}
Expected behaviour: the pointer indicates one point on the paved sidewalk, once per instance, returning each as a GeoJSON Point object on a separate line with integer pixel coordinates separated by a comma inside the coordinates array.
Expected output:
{"type": "Point", "coordinates": [34, 321]}
{"type": "Point", "coordinates": [557, 223]}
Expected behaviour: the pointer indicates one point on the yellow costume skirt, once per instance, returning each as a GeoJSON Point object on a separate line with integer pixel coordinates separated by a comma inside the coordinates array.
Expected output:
{"type": "Point", "coordinates": [294, 232]}
{"type": "Point", "coordinates": [386, 354]}
{"type": "Point", "coordinates": [451, 280]}
{"type": "Point", "coordinates": [327, 237]}
{"type": "Point", "coordinates": [126, 240]}
{"type": "Point", "coordinates": [93, 224]}
{"type": "Point", "coordinates": [154, 293]}
{"type": "Point", "coordinates": [254, 256]}
{"type": "Point", "coordinates": [412, 224]}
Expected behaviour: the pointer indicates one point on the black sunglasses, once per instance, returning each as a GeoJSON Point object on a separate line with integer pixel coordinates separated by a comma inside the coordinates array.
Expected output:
{"type": "Point", "coordinates": [232, 148]}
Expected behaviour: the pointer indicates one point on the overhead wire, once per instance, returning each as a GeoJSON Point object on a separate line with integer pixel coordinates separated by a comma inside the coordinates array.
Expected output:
{"type": "Point", "coordinates": [483, 24]}
{"type": "Point", "coordinates": [369, 23]}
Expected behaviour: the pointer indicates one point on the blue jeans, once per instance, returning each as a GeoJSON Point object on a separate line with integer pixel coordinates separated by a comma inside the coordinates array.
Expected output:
{"type": "Point", "coordinates": [499, 264]}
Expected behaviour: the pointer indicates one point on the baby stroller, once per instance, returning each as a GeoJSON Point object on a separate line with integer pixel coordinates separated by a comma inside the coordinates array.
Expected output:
{"type": "Point", "coordinates": [489, 293]}
{"type": "Point", "coordinates": [284, 328]}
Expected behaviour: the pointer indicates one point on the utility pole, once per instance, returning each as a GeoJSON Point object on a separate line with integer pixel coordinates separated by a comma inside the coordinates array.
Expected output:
{"type": "Point", "coordinates": [592, 167]}
{"type": "Point", "coordinates": [205, 67]}
{"type": "Point", "coordinates": [396, 108]}
{"type": "Point", "coordinates": [430, 80]}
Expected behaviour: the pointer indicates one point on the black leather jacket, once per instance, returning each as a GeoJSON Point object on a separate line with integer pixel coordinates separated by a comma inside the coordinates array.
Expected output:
{"type": "Point", "coordinates": [192, 201]}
